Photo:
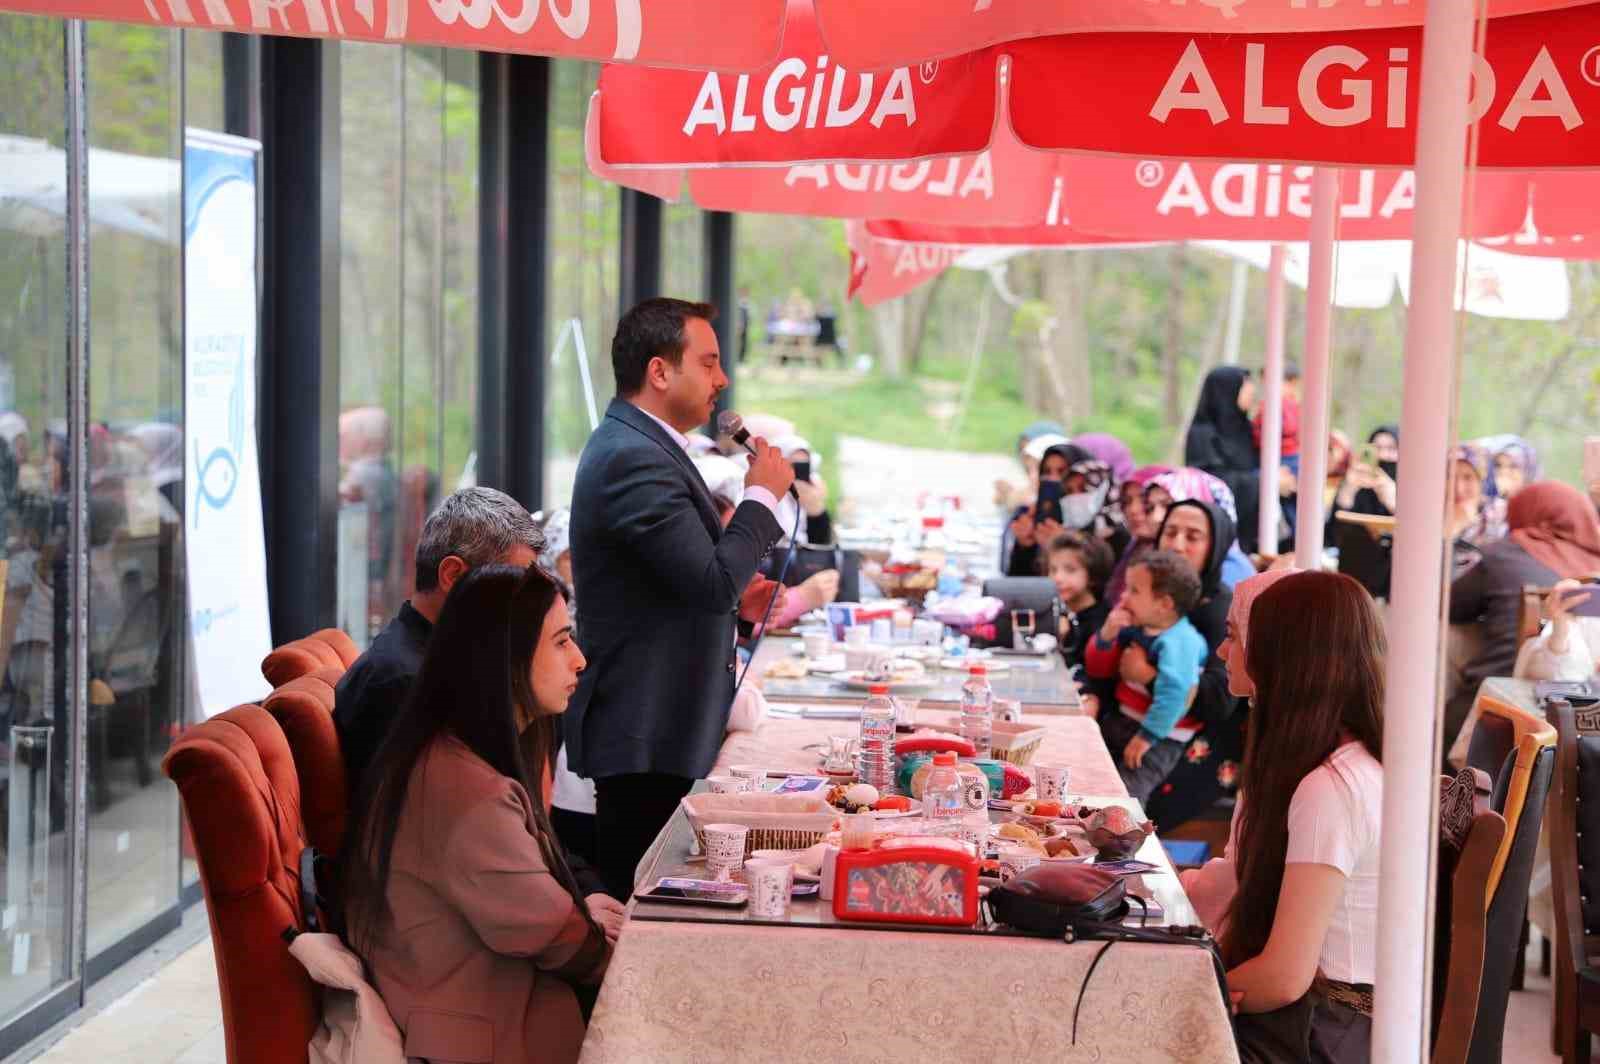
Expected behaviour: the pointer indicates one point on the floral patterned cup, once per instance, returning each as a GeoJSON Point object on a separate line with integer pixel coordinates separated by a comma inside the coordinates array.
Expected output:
{"type": "Point", "coordinates": [725, 849]}
{"type": "Point", "coordinates": [770, 885]}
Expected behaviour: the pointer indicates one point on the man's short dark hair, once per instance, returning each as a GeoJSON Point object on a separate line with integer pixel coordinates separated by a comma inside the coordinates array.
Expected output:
{"type": "Point", "coordinates": [1172, 575]}
{"type": "Point", "coordinates": [1094, 554]}
{"type": "Point", "coordinates": [652, 329]}
{"type": "Point", "coordinates": [1291, 371]}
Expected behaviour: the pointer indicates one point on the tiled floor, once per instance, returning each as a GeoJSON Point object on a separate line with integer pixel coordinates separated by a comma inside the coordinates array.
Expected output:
{"type": "Point", "coordinates": [174, 1017]}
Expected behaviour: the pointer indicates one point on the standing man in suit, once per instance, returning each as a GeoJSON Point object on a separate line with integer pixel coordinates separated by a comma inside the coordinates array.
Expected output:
{"type": "Point", "coordinates": [661, 586]}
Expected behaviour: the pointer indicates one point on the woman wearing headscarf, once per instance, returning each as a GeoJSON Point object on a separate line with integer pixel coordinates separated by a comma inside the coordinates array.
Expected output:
{"type": "Point", "coordinates": [1181, 485]}
{"type": "Point", "coordinates": [1036, 439]}
{"type": "Point", "coordinates": [1474, 520]}
{"type": "Point", "coordinates": [816, 527]}
{"type": "Point", "coordinates": [1200, 531]}
{"type": "Point", "coordinates": [1554, 536]}
{"type": "Point", "coordinates": [1087, 505]}
{"type": "Point", "coordinates": [1369, 486]}
{"type": "Point", "coordinates": [1141, 524]}
{"type": "Point", "coordinates": [1221, 442]}
{"type": "Point", "coordinates": [1514, 464]}
{"type": "Point", "coordinates": [1110, 450]}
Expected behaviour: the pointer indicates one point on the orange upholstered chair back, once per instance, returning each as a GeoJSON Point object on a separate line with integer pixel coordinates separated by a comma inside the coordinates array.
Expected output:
{"type": "Point", "coordinates": [301, 657]}
{"type": "Point", "coordinates": [242, 798]}
{"type": "Point", "coordinates": [303, 708]}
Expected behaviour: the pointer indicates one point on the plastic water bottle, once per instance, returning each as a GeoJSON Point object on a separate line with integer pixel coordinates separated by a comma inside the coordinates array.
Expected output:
{"type": "Point", "coordinates": [875, 761]}
{"type": "Point", "coordinates": [977, 711]}
{"type": "Point", "coordinates": [944, 802]}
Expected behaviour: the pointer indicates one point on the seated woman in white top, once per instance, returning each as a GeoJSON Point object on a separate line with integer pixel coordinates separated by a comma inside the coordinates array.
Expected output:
{"type": "Point", "coordinates": [1300, 934]}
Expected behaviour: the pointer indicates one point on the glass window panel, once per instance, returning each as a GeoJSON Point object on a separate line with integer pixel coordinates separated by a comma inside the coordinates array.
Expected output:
{"type": "Point", "coordinates": [583, 271]}
{"type": "Point", "coordinates": [458, 344]}
{"type": "Point", "coordinates": [422, 223]}
{"type": "Point", "coordinates": [135, 472]}
{"type": "Point", "coordinates": [373, 137]}
{"type": "Point", "coordinates": [33, 515]}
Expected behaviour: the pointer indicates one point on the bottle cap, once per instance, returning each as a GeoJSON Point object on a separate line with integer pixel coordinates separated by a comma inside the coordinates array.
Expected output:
{"type": "Point", "coordinates": [978, 669]}
{"type": "Point", "coordinates": [945, 757]}
{"type": "Point", "coordinates": [878, 689]}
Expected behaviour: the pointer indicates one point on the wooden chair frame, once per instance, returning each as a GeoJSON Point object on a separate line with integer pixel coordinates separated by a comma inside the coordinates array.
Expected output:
{"type": "Point", "coordinates": [1471, 893]}
{"type": "Point", "coordinates": [1574, 944]}
{"type": "Point", "coordinates": [1533, 735]}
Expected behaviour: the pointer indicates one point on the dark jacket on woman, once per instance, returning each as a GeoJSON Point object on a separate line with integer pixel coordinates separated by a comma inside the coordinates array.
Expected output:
{"type": "Point", "coordinates": [1489, 594]}
{"type": "Point", "coordinates": [1222, 442]}
{"type": "Point", "coordinates": [1209, 768]}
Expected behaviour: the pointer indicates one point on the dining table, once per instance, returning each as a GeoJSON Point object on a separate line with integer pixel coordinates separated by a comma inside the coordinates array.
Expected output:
{"type": "Point", "coordinates": [696, 983]}
{"type": "Point", "coordinates": [1041, 682]}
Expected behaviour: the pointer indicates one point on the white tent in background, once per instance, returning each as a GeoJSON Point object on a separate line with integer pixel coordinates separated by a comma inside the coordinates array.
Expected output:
{"type": "Point", "coordinates": [1498, 284]}
{"type": "Point", "coordinates": [135, 194]}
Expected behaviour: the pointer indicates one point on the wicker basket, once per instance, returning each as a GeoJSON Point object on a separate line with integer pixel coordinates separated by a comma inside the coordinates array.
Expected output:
{"type": "Point", "coordinates": [1016, 743]}
{"type": "Point", "coordinates": [776, 821]}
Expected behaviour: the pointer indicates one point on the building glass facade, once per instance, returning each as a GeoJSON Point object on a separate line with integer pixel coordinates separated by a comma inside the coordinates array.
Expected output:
{"type": "Point", "coordinates": [96, 669]}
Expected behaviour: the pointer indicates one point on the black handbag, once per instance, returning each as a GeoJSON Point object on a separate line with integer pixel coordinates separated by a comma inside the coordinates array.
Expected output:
{"type": "Point", "coordinates": [1036, 593]}
{"type": "Point", "coordinates": [809, 561]}
{"type": "Point", "coordinates": [1078, 902]}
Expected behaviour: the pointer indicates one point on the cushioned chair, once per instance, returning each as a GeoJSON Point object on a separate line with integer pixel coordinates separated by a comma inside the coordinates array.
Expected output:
{"type": "Point", "coordinates": [1575, 879]}
{"type": "Point", "coordinates": [242, 799]}
{"type": "Point", "coordinates": [303, 708]}
{"type": "Point", "coordinates": [1517, 750]}
{"type": "Point", "coordinates": [301, 657]}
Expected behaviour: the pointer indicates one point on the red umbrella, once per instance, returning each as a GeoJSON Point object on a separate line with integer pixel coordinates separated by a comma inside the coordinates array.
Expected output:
{"type": "Point", "coordinates": [1343, 96]}
{"type": "Point", "coordinates": [888, 33]}
{"type": "Point", "coordinates": [736, 34]}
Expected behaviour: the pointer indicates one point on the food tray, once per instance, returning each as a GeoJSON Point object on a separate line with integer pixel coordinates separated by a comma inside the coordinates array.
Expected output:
{"type": "Point", "coordinates": [776, 821]}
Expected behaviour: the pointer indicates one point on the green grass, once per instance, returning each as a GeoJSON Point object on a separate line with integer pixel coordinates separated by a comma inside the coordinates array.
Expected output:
{"type": "Point", "coordinates": [915, 411]}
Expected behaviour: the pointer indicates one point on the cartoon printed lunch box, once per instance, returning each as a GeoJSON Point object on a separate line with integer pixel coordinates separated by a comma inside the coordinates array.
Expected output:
{"type": "Point", "coordinates": [909, 881]}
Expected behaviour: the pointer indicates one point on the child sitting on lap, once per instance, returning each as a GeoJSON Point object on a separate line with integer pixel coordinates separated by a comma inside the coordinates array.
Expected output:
{"type": "Point", "coordinates": [1149, 643]}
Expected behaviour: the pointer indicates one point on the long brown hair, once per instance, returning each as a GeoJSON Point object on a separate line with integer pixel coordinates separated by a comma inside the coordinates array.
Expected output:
{"type": "Point", "coordinates": [473, 684]}
{"type": "Point", "coordinates": [1316, 654]}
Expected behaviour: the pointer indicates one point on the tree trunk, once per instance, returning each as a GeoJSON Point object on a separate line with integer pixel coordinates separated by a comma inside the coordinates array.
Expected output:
{"type": "Point", "coordinates": [1065, 354]}
{"type": "Point", "coordinates": [888, 322]}
{"type": "Point", "coordinates": [916, 323]}
{"type": "Point", "coordinates": [1171, 349]}
{"type": "Point", "coordinates": [1209, 358]}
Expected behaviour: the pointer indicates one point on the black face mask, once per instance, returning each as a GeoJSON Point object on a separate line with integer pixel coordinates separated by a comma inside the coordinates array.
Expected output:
{"type": "Point", "coordinates": [1392, 469]}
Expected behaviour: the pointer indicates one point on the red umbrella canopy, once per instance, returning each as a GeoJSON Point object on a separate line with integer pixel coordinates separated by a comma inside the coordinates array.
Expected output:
{"type": "Point", "coordinates": [887, 33]}
{"type": "Point", "coordinates": [739, 34]}
{"type": "Point", "coordinates": [1344, 97]}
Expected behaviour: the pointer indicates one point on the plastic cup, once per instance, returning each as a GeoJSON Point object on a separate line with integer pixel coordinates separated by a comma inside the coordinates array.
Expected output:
{"type": "Point", "coordinates": [1051, 782]}
{"type": "Point", "coordinates": [725, 845]}
{"type": "Point", "coordinates": [856, 831]}
{"type": "Point", "coordinates": [771, 883]}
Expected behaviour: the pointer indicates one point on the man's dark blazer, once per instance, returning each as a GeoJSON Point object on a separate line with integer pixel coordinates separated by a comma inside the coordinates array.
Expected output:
{"type": "Point", "coordinates": [658, 582]}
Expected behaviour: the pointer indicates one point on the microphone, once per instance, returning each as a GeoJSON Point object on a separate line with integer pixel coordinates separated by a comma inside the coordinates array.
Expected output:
{"type": "Point", "coordinates": [730, 424]}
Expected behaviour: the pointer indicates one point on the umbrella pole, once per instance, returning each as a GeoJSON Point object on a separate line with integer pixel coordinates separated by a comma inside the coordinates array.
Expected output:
{"type": "Point", "coordinates": [1314, 376]}
{"type": "Point", "coordinates": [1411, 706]}
{"type": "Point", "coordinates": [1272, 409]}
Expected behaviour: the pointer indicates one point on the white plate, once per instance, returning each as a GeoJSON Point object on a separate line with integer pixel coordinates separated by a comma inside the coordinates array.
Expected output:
{"type": "Point", "coordinates": [962, 664]}
{"type": "Point", "coordinates": [827, 664]}
{"type": "Point", "coordinates": [857, 681]}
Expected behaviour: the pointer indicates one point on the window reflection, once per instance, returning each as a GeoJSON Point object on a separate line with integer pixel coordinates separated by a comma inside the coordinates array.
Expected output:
{"type": "Point", "coordinates": [135, 473]}
{"type": "Point", "coordinates": [583, 272]}
{"type": "Point", "coordinates": [408, 311]}
{"type": "Point", "coordinates": [35, 733]}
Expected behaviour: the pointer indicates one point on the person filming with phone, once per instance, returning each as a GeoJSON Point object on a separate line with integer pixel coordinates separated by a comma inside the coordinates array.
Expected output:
{"type": "Point", "coordinates": [664, 585]}
{"type": "Point", "coordinates": [1554, 536]}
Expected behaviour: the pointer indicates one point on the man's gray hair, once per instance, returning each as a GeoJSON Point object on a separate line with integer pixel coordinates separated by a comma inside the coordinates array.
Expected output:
{"type": "Point", "coordinates": [477, 525]}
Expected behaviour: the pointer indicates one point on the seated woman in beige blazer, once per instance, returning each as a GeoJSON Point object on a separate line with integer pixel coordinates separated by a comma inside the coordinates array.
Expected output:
{"type": "Point", "coordinates": [457, 896]}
